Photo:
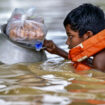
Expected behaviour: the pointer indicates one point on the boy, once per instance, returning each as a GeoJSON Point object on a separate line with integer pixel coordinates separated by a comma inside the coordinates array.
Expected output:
{"type": "Point", "coordinates": [82, 23]}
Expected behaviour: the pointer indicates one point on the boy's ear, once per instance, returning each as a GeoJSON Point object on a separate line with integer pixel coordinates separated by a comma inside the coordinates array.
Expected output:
{"type": "Point", "coordinates": [87, 35]}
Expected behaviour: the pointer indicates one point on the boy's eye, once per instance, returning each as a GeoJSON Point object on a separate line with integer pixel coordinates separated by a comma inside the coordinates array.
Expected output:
{"type": "Point", "coordinates": [70, 36]}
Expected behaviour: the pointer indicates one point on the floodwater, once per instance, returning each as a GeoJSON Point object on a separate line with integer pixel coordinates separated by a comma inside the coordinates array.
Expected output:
{"type": "Point", "coordinates": [53, 82]}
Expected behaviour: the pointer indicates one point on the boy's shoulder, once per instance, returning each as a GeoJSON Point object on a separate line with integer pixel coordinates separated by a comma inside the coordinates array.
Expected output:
{"type": "Point", "coordinates": [99, 60]}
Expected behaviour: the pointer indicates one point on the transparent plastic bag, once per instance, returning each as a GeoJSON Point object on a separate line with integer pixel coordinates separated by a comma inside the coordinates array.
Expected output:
{"type": "Point", "coordinates": [26, 27]}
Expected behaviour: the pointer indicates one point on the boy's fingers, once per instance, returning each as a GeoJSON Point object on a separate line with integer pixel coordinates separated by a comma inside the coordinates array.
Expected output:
{"type": "Point", "coordinates": [45, 41]}
{"type": "Point", "coordinates": [44, 48]}
{"type": "Point", "coordinates": [47, 49]}
{"type": "Point", "coordinates": [48, 41]}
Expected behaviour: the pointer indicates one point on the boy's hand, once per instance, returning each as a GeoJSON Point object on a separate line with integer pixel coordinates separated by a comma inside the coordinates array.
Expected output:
{"type": "Point", "coordinates": [50, 46]}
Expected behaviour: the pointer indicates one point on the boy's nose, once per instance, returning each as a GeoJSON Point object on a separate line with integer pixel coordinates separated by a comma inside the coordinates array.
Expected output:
{"type": "Point", "coordinates": [67, 42]}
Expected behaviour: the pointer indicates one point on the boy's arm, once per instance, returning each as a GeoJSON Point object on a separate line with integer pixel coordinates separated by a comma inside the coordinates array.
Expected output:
{"type": "Point", "coordinates": [52, 48]}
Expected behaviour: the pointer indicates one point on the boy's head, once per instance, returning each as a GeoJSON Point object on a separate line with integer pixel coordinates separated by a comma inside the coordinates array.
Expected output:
{"type": "Point", "coordinates": [82, 23]}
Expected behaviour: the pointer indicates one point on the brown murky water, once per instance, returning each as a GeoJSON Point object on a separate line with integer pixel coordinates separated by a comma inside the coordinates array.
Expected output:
{"type": "Point", "coordinates": [53, 82]}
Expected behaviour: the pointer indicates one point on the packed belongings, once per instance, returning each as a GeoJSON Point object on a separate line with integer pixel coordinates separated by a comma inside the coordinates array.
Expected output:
{"type": "Point", "coordinates": [26, 28]}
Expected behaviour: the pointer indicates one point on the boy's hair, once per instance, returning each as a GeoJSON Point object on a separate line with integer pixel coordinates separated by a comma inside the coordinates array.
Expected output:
{"type": "Point", "coordinates": [86, 17]}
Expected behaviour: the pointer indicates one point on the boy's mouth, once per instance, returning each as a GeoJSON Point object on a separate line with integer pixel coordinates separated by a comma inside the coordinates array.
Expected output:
{"type": "Point", "coordinates": [69, 47]}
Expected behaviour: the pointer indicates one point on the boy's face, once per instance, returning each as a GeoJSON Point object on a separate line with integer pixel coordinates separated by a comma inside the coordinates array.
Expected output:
{"type": "Point", "coordinates": [73, 37]}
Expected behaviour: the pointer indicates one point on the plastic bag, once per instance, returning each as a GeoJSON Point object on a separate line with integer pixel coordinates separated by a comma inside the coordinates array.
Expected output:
{"type": "Point", "coordinates": [25, 27]}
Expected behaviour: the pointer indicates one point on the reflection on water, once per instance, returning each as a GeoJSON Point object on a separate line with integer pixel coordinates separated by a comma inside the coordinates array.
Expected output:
{"type": "Point", "coordinates": [50, 83]}
{"type": "Point", "coordinates": [53, 82]}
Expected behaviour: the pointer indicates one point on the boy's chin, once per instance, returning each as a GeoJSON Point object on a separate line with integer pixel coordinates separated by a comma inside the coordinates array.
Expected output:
{"type": "Point", "coordinates": [69, 47]}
